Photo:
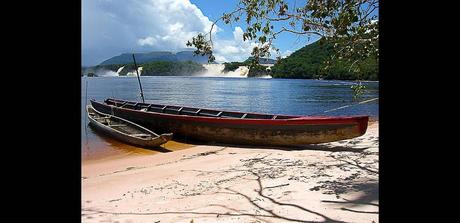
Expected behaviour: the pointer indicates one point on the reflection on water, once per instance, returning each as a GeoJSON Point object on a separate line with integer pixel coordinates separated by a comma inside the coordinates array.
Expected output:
{"type": "Point", "coordinates": [96, 145]}
{"type": "Point", "coordinates": [276, 96]}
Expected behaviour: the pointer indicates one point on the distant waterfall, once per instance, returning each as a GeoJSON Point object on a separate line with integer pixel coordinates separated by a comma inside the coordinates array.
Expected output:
{"type": "Point", "coordinates": [133, 73]}
{"type": "Point", "coordinates": [119, 70]}
{"type": "Point", "coordinates": [241, 71]}
{"type": "Point", "coordinates": [213, 70]}
{"type": "Point", "coordinates": [106, 73]}
{"type": "Point", "coordinates": [217, 70]}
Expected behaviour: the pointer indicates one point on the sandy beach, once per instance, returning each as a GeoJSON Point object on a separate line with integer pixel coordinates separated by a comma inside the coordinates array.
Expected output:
{"type": "Point", "coordinates": [331, 182]}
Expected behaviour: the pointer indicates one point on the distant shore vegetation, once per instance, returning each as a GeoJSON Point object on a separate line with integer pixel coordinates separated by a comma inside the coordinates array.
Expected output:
{"type": "Point", "coordinates": [155, 68]}
{"type": "Point", "coordinates": [305, 63]}
{"type": "Point", "coordinates": [309, 63]}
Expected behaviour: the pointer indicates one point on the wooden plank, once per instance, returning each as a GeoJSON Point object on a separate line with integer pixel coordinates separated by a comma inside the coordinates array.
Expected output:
{"type": "Point", "coordinates": [117, 125]}
{"type": "Point", "coordinates": [100, 118]}
{"type": "Point", "coordinates": [141, 134]}
{"type": "Point", "coordinates": [244, 116]}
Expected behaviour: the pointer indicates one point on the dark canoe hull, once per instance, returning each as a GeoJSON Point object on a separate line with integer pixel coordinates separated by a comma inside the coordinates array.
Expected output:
{"type": "Point", "coordinates": [126, 139]}
{"type": "Point", "coordinates": [285, 132]}
{"type": "Point", "coordinates": [123, 137]}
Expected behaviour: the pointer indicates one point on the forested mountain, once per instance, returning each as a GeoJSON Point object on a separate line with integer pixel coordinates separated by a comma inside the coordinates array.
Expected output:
{"type": "Point", "coordinates": [307, 63]}
{"type": "Point", "coordinates": [141, 58]}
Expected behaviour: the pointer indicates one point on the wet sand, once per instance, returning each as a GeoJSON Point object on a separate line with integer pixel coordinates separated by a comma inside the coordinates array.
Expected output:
{"type": "Point", "coordinates": [331, 182]}
{"type": "Point", "coordinates": [105, 148]}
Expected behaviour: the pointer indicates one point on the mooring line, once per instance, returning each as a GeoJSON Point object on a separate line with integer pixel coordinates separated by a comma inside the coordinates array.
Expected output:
{"type": "Point", "coordinates": [346, 106]}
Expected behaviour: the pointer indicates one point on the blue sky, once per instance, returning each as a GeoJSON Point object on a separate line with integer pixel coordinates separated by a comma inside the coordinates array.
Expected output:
{"type": "Point", "coordinates": [113, 27]}
{"type": "Point", "coordinates": [286, 42]}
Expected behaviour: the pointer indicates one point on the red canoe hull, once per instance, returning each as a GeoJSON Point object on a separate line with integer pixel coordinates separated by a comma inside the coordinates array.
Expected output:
{"type": "Point", "coordinates": [289, 131]}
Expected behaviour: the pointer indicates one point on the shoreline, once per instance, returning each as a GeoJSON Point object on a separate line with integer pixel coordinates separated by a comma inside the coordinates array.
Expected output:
{"type": "Point", "coordinates": [127, 151]}
{"type": "Point", "coordinates": [171, 145]}
{"type": "Point", "coordinates": [335, 181]}
{"type": "Point", "coordinates": [370, 81]}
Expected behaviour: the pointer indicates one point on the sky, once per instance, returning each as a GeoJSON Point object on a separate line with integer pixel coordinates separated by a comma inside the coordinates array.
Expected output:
{"type": "Point", "coordinates": [113, 27]}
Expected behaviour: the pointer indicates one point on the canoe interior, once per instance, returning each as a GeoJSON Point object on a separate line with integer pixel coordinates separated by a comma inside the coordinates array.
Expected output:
{"type": "Point", "coordinates": [120, 125]}
{"type": "Point", "coordinates": [190, 111]}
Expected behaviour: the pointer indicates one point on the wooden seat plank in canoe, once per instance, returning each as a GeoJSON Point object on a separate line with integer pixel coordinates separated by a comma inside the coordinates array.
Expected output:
{"type": "Point", "coordinates": [147, 108]}
{"type": "Point", "coordinates": [117, 125]}
{"type": "Point", "coordinates": [101, 118]}
{"type": "Point", "coordinates": [139, 135]}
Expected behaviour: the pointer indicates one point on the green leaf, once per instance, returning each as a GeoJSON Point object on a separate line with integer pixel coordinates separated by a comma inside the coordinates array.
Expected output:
{"type": "Point", "coordinates": [262, 39]}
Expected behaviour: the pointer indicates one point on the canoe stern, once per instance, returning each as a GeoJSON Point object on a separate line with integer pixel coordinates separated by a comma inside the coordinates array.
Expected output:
{"type": "Point", "coordinates": [362, 124]}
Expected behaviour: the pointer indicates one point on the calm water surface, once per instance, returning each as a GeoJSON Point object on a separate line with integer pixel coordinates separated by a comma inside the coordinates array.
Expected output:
{"type": "Point", "coordinates": [276, 96]}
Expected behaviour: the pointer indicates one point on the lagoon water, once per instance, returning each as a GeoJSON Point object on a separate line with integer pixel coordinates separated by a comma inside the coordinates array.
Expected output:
{"type": "Point", "coordinates": [276, 96]}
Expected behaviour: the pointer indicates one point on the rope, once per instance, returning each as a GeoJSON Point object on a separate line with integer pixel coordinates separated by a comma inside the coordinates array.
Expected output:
{"type": "Point", "coordinates": [346, 106]}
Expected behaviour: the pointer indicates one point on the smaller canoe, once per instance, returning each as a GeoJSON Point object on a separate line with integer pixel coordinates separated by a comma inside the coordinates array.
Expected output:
{"type": "Point", "coordinates": [125, 130]}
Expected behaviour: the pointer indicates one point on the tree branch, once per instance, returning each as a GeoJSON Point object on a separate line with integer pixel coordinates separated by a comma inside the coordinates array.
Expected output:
{"type": "Point", "coordinates": [217, 20]}
{"type": "Point", "coordinates": [283, 29]}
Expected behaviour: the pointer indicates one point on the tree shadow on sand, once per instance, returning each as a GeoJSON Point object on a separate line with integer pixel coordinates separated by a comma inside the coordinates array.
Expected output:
{"type": "Point", "coordinates": [360, 175]}
{"type": "Point", "coordinates": [261, 212]}
{"type": "Point", "coordinates": [270, 212]}
{"type": "Point", "coordinates": [262, 168]}
{"type": "Point", "coordinates": [368, 198]}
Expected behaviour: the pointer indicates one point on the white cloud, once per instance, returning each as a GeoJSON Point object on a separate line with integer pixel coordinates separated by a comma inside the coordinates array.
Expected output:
{"type": "Point", "coordinates": [150, 41]}
{"type": "Point", "coordinates": [110, 28]}
{"type": "Point", "coordinates": [286, 53]}
{"type": "Point", "coordinates": [113, 27]}
{"type": "Point", "coordinates": [234, 49]}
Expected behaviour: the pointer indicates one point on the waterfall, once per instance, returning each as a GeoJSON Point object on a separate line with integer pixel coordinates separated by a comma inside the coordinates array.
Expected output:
{"type": "Point", "coordinates": [217, 70]}
{"type": "Point", "coordinates": [106, 73]}
{"type": "Point", "coordinates": [213, 70]}
{"type": "Point", "coordinates": [241, 71]}
{"type": "Point", "coordinates": [119, 70]}
{"type": "Point", "coordinates": [133, 73]}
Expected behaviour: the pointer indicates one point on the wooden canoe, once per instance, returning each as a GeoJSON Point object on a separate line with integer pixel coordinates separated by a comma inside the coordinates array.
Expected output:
{"type": "Point", "coordinates": [125, 130]}
{"type": "Point", "coordinates": [237, 127]}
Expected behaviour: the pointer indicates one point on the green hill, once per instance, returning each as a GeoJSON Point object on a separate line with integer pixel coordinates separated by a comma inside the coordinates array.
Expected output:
{"type": "Point", "coordinates": [141, 58]}
{"type": "Point", "coordinates": [307, 63]}
{"type": "Point", "coordinates": [155, 68]}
